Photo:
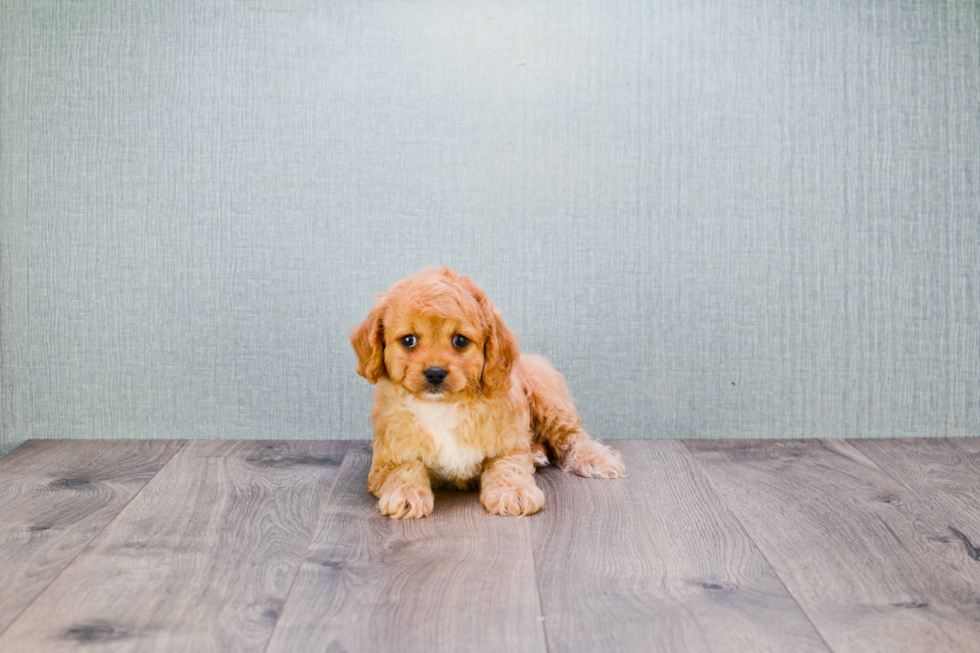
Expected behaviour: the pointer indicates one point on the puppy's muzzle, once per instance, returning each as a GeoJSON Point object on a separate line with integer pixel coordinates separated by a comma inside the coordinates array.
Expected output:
{"type": "Point", "coordinates": [435, 376]}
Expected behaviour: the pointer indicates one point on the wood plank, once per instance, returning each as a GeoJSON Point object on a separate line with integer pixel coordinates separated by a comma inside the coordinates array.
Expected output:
{"type": "Point", "coordinates": [969, 445]}
{"type": "Point", "coordinates": [29, 451]}
{"type": "Point", "coordinates": [656, 562]}
{"type": "Point", "coordinates": [459, 580]}
{"type": "Point", "coordinates": [864, 557]}
{"type": "Point", "coordinates": [201, 560]}
{"type": "Point", "coordinates": [944, 478]}
{"type": "Point", "coordinates": [55, 496]}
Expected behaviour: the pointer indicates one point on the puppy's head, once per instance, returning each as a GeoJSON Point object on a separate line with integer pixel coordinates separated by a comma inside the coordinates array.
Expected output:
{"type": "Point", "coordinates": [437, 336]}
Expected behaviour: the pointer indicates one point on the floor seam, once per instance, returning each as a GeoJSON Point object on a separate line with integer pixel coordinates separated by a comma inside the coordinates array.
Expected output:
{"type": "Point", "coordinates": [93, 538]}
{"type": "Point", "coordinates": [537, 587]}
{"type": "Point", "coordinates": [309, 545]}
{"type": "Point", "coordinates": [877, 464]}
{"type": "Point", "coordinates": [758, 548]}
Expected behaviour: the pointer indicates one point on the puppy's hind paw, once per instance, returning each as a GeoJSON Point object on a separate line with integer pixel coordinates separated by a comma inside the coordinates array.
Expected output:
{"type": "Point", "coordinates": [407, 502]}
{"type": "Point", "coordinates": [539, 456]}
{"type": "Point", "coordinates": [594, 460]}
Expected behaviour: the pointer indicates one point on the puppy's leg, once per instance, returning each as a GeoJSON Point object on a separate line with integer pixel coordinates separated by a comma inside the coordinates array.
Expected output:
{"type": "Point", "coordinates": [555, 422]}
{"type": "Point", "coordinates": [539, 455]}
{"type": "Point", "coordinates": [405, 493]}
{"type": "Point", "coordinates": [507, 486]}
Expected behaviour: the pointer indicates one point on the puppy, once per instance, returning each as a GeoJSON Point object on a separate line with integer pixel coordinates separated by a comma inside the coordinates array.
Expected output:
{"type": "Point", "coordinates": [457, 404]}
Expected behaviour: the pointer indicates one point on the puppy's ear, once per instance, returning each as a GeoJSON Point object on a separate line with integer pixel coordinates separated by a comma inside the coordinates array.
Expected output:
{"type": "Point", "coordinates": [368, 341]}
{"type": "Point", "coordinates": [500, 351]}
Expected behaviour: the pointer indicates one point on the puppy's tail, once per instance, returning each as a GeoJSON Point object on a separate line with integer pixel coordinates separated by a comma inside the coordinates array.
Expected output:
{"type": "Point", "coordinates": [556, 425]}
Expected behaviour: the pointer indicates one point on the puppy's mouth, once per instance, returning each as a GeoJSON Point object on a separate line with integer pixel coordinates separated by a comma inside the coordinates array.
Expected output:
{"type": "Point", "coordinates": [433, 393]}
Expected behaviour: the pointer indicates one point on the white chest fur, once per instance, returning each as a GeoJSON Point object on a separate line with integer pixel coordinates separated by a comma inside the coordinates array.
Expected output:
{"type": "Point", "coordinates": [454, 459]}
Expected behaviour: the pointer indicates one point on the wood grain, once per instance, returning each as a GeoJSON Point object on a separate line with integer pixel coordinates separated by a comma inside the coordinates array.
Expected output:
{"type": "Point", "coordinates": [969, 445]}
{"type": "Point", "coordinates": [866, 559]}
{"type": "Point", "coordinates": [55, 496]}
{"type": "Point", "coordinates": [460, 580]}
{"type": "Point", "coordinates": [944, 478]}
{"type": "Point", "coordinates": [656, 562]}
{"type": "Point", "coordinates": [201, 560]}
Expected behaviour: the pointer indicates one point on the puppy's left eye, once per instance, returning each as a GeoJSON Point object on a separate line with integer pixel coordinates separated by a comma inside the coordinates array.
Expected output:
{"type": "Point", "coordinates": [460, 341]}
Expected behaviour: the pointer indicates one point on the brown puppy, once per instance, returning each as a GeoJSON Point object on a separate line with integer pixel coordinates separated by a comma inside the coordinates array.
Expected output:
{"type": "Point", "coordinates": [456, 403]}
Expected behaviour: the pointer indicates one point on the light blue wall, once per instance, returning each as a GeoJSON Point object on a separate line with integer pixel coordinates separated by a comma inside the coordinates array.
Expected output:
{"type": "Point", "coordinates": [720, 218]}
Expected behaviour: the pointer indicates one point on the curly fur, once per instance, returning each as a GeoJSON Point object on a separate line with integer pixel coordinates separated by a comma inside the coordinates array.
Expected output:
{"type": "Point", "coordinates": [497, 416]}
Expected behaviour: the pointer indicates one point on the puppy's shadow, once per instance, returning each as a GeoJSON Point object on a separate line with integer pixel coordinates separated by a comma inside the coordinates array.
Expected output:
{"type": "Point", "coordinates": [455, 504]}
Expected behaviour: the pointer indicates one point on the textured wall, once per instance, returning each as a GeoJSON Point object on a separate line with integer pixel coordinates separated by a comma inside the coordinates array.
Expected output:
{"type": "Point", "coordinates": [720, 218]}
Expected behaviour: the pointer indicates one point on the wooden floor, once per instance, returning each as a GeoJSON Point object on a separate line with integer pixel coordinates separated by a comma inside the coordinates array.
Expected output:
{"type": "Point", "coordinates": [816, 545]}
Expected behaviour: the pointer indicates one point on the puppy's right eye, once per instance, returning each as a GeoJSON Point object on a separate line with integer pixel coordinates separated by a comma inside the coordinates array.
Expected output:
{"type": "Point", "coordinates": [409, 341]}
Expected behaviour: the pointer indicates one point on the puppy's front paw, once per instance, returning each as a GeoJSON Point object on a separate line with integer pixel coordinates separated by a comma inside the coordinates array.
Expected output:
{"type": "Point", "coordinates": [594, 460]}
{"type": "Point", "coordinates": [512, 500]}
{"type": "Point", "coordinates": [406, 502]}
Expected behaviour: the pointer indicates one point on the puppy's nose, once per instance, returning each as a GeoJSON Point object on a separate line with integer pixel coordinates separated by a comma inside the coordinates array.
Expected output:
{"type": "Point", "coordinates": [435, 375]}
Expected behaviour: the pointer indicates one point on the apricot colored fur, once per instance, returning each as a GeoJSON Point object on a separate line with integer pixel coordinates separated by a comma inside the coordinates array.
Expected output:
{"type": "Point", "coordinates": [497, 415]}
